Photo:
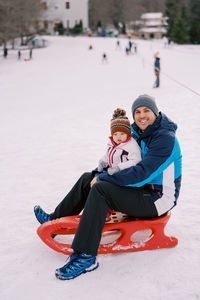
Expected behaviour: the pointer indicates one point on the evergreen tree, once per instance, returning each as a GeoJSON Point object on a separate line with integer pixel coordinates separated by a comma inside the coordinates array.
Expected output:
{"type": "Point", "coordinates": [60, 28]}
{"type": "Point", "coordinates": [170, 12]}
{"type": "Point", "coordinates": [78, 28]}
{"type": "Point", "coordinates": [194, 22]}
{"type": "Point", "coordinates": [81, 25]}
{"type": "Point", "coordinates": [178, 22]}
{"type": "Point", "coordinates": [179, 33]}
{"type": "Point", "coordinates": [124, 29]}
{"type": "Point", "coordinates": [99, 24]}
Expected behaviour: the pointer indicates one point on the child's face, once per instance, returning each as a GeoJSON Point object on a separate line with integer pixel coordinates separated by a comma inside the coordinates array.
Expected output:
{"type": "Point", "coordinates": [119, 137]}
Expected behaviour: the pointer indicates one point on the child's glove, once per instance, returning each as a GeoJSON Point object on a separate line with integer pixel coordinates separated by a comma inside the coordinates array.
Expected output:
{"type": "Point", "coordinates": [102, 164]}
{"type": "Point", "coordinates": [113, 170]}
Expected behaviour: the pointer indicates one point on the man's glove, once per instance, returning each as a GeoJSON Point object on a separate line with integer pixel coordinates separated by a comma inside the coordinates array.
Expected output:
{"type": "Point", "coordinates": [102, 164]}
{"type": "Point", "coordinates": [113, 170]}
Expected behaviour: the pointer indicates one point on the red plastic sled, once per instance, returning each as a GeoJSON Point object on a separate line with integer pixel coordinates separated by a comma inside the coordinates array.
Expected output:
{"type": "Point", "coordinates": [126, 234]}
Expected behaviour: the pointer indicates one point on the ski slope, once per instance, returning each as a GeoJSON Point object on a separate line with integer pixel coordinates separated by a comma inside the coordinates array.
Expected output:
{"type": "Point", "coordinates": [54, 122]}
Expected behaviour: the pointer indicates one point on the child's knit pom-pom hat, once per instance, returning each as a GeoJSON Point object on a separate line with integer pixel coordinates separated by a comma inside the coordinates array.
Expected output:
{"type": "Point", "coordinates": [120, 122]}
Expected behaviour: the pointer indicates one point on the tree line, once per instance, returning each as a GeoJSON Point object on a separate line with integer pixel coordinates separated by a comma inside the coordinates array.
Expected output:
{"type": "Point", "coordinates": [183, 15]}
{"type": "Point", "coordinates": [18, 18]}
{"type": "Point", "coordinates": [183, 21]}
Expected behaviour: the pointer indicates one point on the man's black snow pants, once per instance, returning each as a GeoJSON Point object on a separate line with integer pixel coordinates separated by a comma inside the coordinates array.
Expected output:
{"type": "Point", "coordinates": [96, 202]}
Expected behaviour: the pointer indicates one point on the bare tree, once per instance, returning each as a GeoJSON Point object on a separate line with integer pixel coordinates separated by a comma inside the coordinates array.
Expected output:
{"type": "Point", "coordinates": [6, 18]}
{"type": "Point", "coordinates": [98, 11]}
{"type": "Point", "coordinates": [18, 18]}
{"type": "Point", "coordinates": [115, 11]}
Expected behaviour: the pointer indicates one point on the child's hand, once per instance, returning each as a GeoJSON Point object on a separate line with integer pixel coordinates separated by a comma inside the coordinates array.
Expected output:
{"type": "Point", "coordinates": [102, 164]}
{"type": "Point", "coordinates": [113, 170]}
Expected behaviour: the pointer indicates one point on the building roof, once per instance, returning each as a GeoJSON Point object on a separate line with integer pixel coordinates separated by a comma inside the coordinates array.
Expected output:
{"type": "Point", "coordinates": [158, 15]}
{"type": "Point", "coordinates": [152, 30]}
{"type": "Point", "coordinates": [154, 23]}
{"type": "Point", "coordinates": [137, 22]}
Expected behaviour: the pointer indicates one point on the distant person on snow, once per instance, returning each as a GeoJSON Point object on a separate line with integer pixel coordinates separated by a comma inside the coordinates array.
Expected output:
{"type": "Point", "coordinates": [118, 44]}
{"type": "Point", "coordinates": [19, 55]}
{"type": "Point", "coordinates": [5, 52]}
{"type": "Point", "coordinates": [30, 53]}
{"type": "Point", "coordinates": [127, 50]}
{"type": "Point", "coordinates": [104, 58]}
{"type": "Point", "coordinates": [157, 70]}
{"type": "Point", "coordinates": [147, 190]}
{"type": "Point", "coordinates": [135, 48]}
{"type": "Point", "coordinates": [130, 44]}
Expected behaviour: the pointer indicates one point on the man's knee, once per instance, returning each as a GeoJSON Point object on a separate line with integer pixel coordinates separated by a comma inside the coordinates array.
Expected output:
{"type": "Point", "coordinates": [98, 195]}
{"type": "Point", "coordinates": [87, 176]}
{"type": "Point", "coordinates": [101, 187]}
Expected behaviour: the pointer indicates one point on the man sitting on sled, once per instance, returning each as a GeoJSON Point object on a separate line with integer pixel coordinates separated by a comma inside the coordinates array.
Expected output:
{"type": "Point", "coordinates": [147, 190]}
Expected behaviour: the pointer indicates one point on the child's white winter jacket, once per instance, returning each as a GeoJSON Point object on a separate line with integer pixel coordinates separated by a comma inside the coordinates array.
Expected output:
{"type": "Point", "coordinates": [123, 155]}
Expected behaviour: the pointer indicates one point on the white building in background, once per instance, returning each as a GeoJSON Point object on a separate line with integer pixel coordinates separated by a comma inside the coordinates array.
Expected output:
{"type": "Point", "coordinates": [69, 13]}
{"type": "Point", "coordinates": [153, 25]}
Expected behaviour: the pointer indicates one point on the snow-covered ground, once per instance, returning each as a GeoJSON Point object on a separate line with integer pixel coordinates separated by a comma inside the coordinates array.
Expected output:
{"type": "Point", "coordinates": [54, 121]}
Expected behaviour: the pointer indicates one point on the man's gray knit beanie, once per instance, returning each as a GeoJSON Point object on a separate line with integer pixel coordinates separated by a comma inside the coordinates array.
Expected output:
{"type": "Point", "coordinates": [147, 101]}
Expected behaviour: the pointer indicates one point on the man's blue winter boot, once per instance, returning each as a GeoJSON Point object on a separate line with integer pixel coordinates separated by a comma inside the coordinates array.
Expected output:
{"type": "Point", "coordinates": [40, 214]}
{"type": "Point", "coordinates": [77, 265]}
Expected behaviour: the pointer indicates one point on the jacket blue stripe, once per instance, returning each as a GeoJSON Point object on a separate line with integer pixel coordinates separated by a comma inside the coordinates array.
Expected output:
{"type": "Point", "coordinates": [156, 177]}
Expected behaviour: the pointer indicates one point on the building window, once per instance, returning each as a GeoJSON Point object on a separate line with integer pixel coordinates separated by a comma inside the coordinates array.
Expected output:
{"type": "Point", "coordinates": [56, 25]}
{"type": "Point", "coordinates": [44, 5]}
{"type": "Point", "coordinates": [45, 24]}
{"type": "Point", "coordinates": [67, 23]}
{"type": "Point", "coordinates": [36, 24]}
{"type": "Point", "coordinates": [67, 5]}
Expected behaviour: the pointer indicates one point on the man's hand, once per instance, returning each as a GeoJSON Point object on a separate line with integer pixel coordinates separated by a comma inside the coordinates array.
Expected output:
{"type": "Point", "coordinates": [94, 180]}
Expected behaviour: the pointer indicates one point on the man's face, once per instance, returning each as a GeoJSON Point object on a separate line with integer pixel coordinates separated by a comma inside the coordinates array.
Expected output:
{"type": "Point", "coordinates": [144, 117]}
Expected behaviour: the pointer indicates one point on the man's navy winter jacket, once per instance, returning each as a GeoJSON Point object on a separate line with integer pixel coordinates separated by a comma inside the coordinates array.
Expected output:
{"type": "Point", "coordinates": [160, 168]}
